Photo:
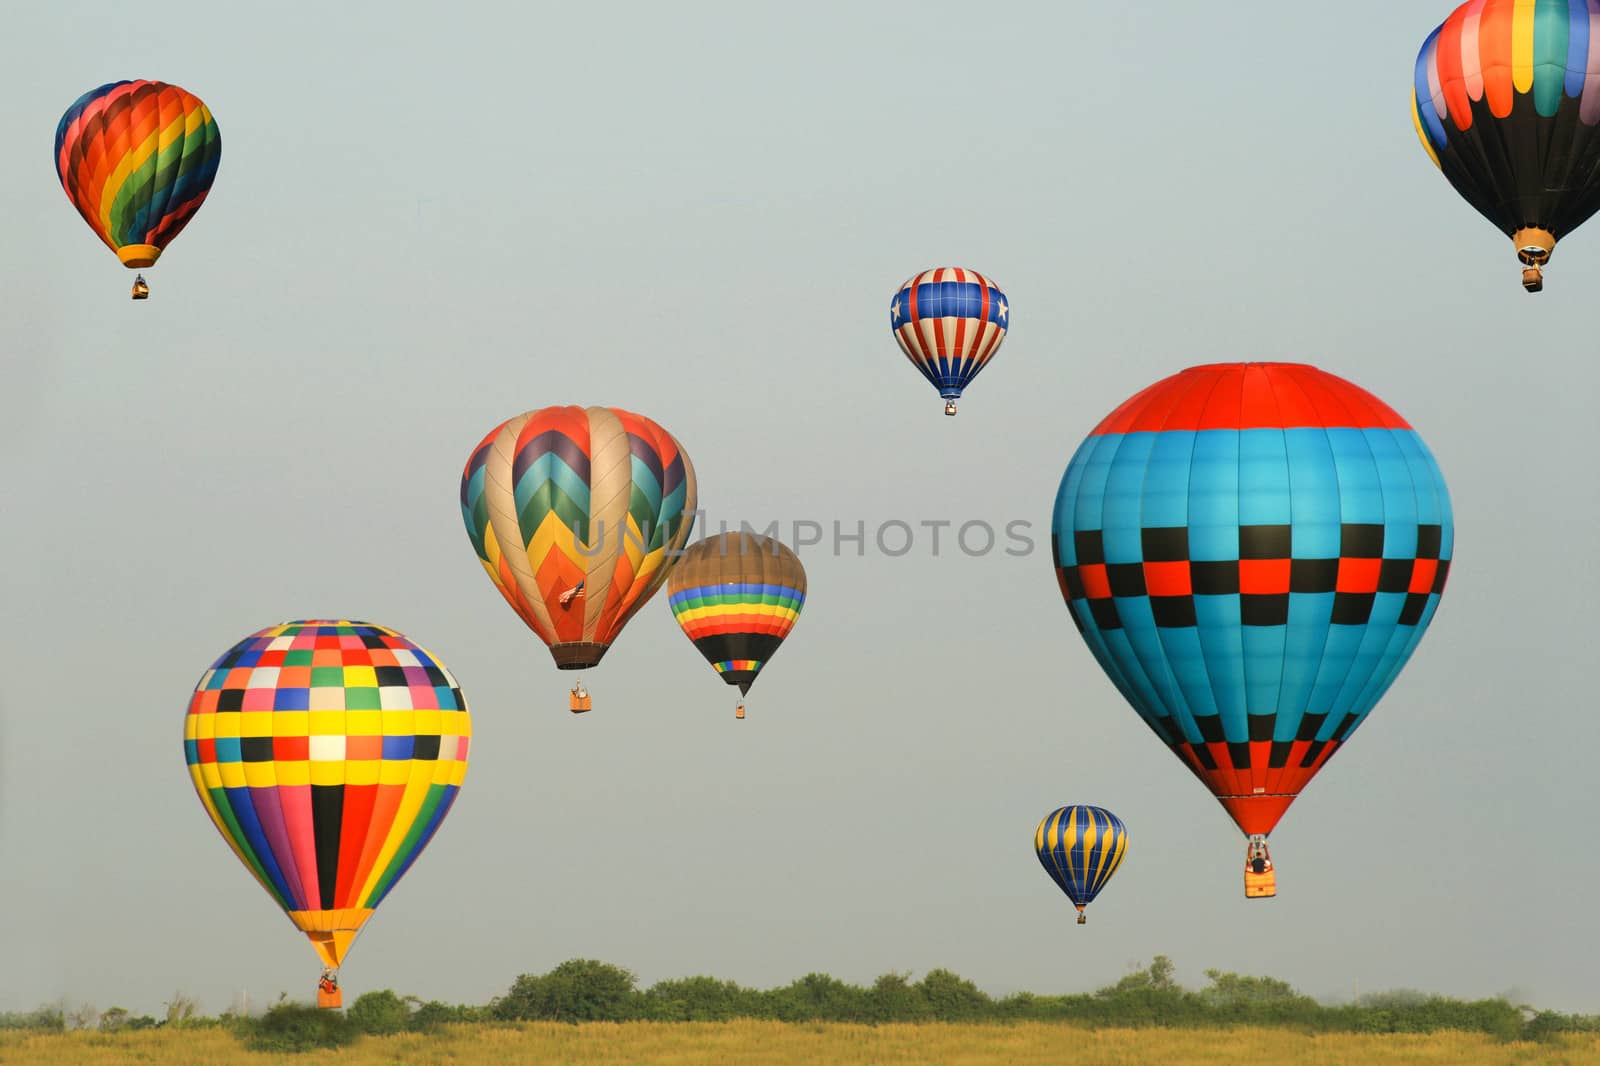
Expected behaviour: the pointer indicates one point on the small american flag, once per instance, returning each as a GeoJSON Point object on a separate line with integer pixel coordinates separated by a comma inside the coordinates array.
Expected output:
{"type": "Point", "coordinates": [574, 593]}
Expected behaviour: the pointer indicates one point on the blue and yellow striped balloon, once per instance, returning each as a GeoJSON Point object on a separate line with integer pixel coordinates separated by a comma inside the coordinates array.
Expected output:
{"type": "Point", "coordinates": [1080, 848]}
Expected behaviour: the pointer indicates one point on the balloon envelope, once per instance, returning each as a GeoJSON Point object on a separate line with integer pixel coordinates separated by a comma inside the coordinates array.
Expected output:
{"type": "Point", "coordinates": [737, 596]}
{"type": "Point", "coordinates": [137, 159]}
{"type": "Point", "coordinates": [1080, 848]}
{"type": "Point", "coordinates": [327, 754]}
{"type": "Point", "coordinates": [578, 515]}
{"type": "Point", "coordinates": [1252, 552]}
{"type": "Point", "coordinates": [949, 322]}
{"type": "Point", "coordinates": [1505, 104]}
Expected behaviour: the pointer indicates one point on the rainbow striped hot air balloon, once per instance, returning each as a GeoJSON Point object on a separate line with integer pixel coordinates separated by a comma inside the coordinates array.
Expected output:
{"type": "Point", "coordinates": [578, 515]}
{"type": "Point", "coordinates": [1505, 99]}
{"type": "Point", "coordinates": [1252, 551]}
{"type": "Point", "coordinates": [137, 159]}
{"type": "Point", "coordinates": [949, 321]}
{"type": "Point", "coordinates": [737, 596]}
{"type": "Point", "coordinates": [327, 754]}
{"type": "Point", "coordinates": [1080, 848]}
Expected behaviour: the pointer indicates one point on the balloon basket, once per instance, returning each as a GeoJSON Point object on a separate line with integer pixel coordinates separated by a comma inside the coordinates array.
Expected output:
{"type": "Point", "coordinates": [1259, 883]}
{"type": "Point", "coordinates": [1533, 279]}
{"type": "Point", "coordinates": [141, 290]}
{"type": "Point", "coordinates": [738, 712]}
{"type": "Point", "coordinates": [330, 1000]}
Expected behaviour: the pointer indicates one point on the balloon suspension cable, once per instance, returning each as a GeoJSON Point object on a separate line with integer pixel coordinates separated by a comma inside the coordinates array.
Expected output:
{"type": "Point", "coordinates": [949, 407]}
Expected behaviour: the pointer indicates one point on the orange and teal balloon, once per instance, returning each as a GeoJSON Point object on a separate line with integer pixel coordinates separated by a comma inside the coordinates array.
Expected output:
{"type": "Point", "coordinates": [137, 159]}
{"type": "Point", "coordinates": [327, 754]}
{"type": "Point", "coordinates": [578, 515]}
{"type": "Point", "coordinates": [737, 596]}
{"type": "Point", "coordinates": [1080, 848]}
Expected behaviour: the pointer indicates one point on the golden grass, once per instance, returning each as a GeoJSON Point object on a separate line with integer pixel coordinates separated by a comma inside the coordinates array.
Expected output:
{"type": "Point", "coordinates": [775, 1043]}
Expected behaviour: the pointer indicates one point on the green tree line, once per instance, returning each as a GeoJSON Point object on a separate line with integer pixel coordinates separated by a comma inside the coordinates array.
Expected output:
{"type": "Point", "coordinates": [587, 990]}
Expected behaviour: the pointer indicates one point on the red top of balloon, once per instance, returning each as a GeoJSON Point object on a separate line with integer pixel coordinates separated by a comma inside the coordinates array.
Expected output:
{"type": "Point", "coordinates": [1250, 396]}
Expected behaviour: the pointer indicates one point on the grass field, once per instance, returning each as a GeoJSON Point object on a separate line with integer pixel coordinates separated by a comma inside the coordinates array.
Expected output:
{"type": "Point", "coordinates": [603, 1044]}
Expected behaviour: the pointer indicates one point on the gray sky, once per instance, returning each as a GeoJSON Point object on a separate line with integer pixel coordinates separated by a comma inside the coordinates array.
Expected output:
{"type": "Point", "coordinates": [423, 225]}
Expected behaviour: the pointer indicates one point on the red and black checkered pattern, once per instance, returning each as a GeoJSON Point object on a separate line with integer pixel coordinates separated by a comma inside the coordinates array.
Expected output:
{"type": "Point", "coordinates": [1264, 576]}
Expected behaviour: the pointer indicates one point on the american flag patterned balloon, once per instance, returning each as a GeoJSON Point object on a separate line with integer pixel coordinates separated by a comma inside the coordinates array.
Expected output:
{"type": "Point", "coordinates": [949, 321]}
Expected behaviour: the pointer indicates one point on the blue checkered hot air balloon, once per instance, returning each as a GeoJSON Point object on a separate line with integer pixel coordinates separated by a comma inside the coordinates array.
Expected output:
{"type": "Point", "coordinates": [1252, 551]}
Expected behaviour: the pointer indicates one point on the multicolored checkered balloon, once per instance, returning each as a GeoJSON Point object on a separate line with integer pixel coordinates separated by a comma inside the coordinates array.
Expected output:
{"type": "Point", "coordinates": [327, 753]}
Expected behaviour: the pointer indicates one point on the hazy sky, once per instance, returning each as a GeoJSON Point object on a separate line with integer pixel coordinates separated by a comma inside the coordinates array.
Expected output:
{"type": "Point", "coordinates": [430, 218]}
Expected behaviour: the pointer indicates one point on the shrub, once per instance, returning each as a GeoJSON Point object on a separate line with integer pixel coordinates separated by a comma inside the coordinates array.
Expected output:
{"type": "Point", "coordinates": [953, 998]}
{"type": "Point", "coordinates": [820, 998]}
{"type": "Point", "coordinates": [578, 990]}
{"type": "Point", "coordinates": [49, 1018]}
{"type": "Point", "coordinates": [895, 999]}
{"type": "Point", "coordinates": [379, 1013]}
{"type": "Point", "coordinates": [432, 1014]}
{"type": "Point", "coordinates": [299, 1027]}
{"type": "Point", "coordinates": [698, 999]}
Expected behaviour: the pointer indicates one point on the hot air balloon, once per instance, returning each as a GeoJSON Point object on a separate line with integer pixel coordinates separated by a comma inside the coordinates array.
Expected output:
{"type": "Point", "coordinates": [137, 159]}
{"type": "Point", "coordinates": [578, 515]}
{"type": "Point", "coordinates": [1252, 552]}
{"type": "Point", "coordinates": [949, 322]}
{"type": "Point", "coordinates": [1505, 102]}
{"type": "Point", "coordinates": [737, 596]}
{"type": "Point", "coordinates": [327, 754]}
{"type": "Point", "coordinates": [1080, 848]}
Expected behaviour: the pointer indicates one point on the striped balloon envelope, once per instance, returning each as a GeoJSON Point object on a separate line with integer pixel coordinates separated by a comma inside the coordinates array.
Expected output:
{"type": "Point", "coordinates": [737, 596]}
{"type": "Point", "coordinates": [137, 159]}
{"type": "Point", "coordinates": [1251, 552]}
{"type": "Point", "coordinates": [949, 322]}
{"type": "Point", "coordinates": [1506, 101]}
{"type": "Point", "coordinates": [578, 515]}
{"type": "Point", "coordinates": [1080, 848]}
{"type": "Point", "coordinates": [327, 754]}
